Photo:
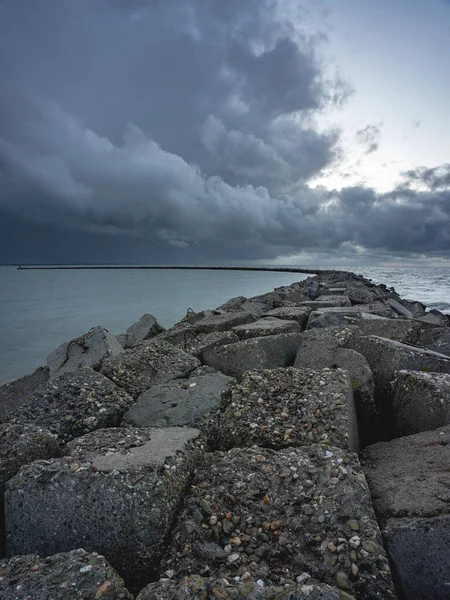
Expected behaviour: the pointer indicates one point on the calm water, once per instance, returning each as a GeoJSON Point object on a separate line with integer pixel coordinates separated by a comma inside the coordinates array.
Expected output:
{"type": "Point", "coordinates": [41, 309]}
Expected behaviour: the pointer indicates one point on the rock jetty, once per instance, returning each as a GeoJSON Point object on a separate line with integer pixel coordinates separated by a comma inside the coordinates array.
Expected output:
{"type": "Point", "coordinates": [290, 446]}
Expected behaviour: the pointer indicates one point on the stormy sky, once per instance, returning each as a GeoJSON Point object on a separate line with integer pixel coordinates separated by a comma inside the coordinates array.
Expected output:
{"type": "Point", "coordinates": [199, 131]}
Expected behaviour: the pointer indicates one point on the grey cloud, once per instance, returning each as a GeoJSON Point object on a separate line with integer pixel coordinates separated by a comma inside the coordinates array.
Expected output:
{"type": "Point", "coordinates": [369, 136]}
{"type": "Point", "coordinates": [176, 130]}
{"type": "Point", "coordinates": [436, 178]}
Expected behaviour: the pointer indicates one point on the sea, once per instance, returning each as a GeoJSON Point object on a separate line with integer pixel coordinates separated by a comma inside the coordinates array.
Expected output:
{"type": "Point", "coordinates": [40, 309]}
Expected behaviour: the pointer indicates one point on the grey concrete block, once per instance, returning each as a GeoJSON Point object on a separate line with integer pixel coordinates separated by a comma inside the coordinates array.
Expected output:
{"type": "Point", "coordinates": [75, 404]}
{"type": "Point", "coordinates": [279, 514]}
{"type": "Point", "coordinates": [266, 326]}
{"type": "Point", "coordinates": [145, 328]}
{"type": "Point", "coordinates": [88, 350]}
{"type": "Point", "coordinates": [420, 401]}
{"type": "Point", "coordinates": [192, 402]}
{"type": "Point", "coordinates": [117, 493]}
{"type": "Point", "coordinates": [289, 407]}
{"type": "Point", "coordinates": [267, 352]}
{"type": "Point", "coordinates": [17, 392]}
{"type": "Point", "coordinates": [71, 575]}
{"type": "Point", "coordinates": [291, 313]}
{"type": "Point", "coordinates": [149, 363]}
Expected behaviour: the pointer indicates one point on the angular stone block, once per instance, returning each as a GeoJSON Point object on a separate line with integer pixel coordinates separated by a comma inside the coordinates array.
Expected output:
{"type": "Point", "coordinates": [266, 326]}
{"type": "Point", "coordinates": [289, 407]}
{"type": "Point", "coordinates": [400, 309]}
{"type": "Point", "coordinates": [420, 401]}
{"type": "Point", "coordinates": [20, 445]}
{"type": "Point", "coordinates": [435, 317]}
{"type": "Point", "coordinates": [326, 319]}
{"type": "Point", "coordinates": [223, 322]}
{"type": "Point", "coordinates": [144, 329]}
{"type": "Point", "coordinates": [17, 392]}
{"type": "Point", "coordinates": [75, 404]}
{"type": "Point", "coordinates": [436, 339]}
{"type": "Point", "coordinates": [409, 480]}
{"type": "Point", "coordinates": [117, 493]}
{"type": "Point", "coordinates": [196, 343]}
{"type": "Point", "coordinates": [149, 363]}
{"type": "Point", "coordinates": [328, 302]}
{"type": "Point", "coordinates": [192, 402]}
{"type": "Point", "coordinates": [267, 352]}
{"type": "Point", "coordinates": [88, 350]}
{"type": "Point", "coordinates": [194, 587]}
{"type": "Point", "coordinates": [70, 575]}
{"type": "Point", "coordinates": [290, 313]}
{"type": "Point", "coordinates": [280, 514]}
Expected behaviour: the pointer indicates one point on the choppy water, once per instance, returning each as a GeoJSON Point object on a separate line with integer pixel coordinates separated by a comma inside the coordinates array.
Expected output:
{"type": "Point", "coordinates": [41, 309]}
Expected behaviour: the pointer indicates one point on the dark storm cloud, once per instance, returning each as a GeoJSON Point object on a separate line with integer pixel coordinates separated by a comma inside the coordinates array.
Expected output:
{"type": "Point", "coordinates": [437, 178]}
{"type": "Point", "coordinates": [369, 136]}
{"type": "Point", "coordinates": [179, 129]}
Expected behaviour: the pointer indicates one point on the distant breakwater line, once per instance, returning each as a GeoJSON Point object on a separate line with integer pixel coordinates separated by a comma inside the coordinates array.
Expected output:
{"type": "Point", "coordinates": [172, 267]}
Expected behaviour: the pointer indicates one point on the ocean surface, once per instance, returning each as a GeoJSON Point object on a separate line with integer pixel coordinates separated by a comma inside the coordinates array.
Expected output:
{"type": "Point", "coordinates": [41, 309]}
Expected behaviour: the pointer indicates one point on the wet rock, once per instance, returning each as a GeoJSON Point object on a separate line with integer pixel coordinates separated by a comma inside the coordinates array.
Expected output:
{"type": "Point", "coordinates": [416, 308]}
{"type": "Point", "coordinates": [149, 363]}
{"type": "Point", "coordinates": [76, 403]}
{"type": "Point", "coordinates": [436, 339]}
{"type": "Point", "coordinates": [16, 392]}
{"type": "Point", "coordinates": [435, 317]}
{"type": "Point", "coordinates": [20, 445]}
{"type": "Point", "coordinates": [88, 350]}
{"type": "Point", "coordinates": [282, 514]}
{"type": "Point", "coordinates": [144, 329]}
{"type": "Point", "coordinates": [420, 401]}
{"type": "Point", "coordinates": [313, 290]}
{"type": "Point", "coordinates": [117, 491]}
{"type": "Point", "coordinates": [289, 407]}
{"type": "Point", "coordinates": [410, 484]}
{"type": "Point", "coordinates": [266, 326]}
{"type": "Point", "coordinates": [290, 313]}
{"type": "Point", "coordinates": [192, 402]}
{"type": "Point", "coordinates": [194, 587]}
{"type": "Point", "coordinates": [267, 352]}
{"type": "Point", "coordinates": [72, 575]}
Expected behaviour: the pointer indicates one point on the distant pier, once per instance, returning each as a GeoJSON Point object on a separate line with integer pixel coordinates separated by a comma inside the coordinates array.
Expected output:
{"type": "Point", "coordinates": [175, 267]}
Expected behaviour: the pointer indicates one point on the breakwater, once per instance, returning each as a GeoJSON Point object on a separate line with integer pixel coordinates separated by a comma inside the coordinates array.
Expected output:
{"type": "Point", "coordinates": [266, 448]}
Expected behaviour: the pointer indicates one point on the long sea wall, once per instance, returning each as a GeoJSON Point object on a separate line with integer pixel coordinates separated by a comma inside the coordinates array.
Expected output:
{"type": "Point", "coordinates": [294, 445]}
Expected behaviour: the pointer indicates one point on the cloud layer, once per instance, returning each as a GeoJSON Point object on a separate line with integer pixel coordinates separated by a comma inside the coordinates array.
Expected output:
{"type": "Point", "coordinates": [189, 124]}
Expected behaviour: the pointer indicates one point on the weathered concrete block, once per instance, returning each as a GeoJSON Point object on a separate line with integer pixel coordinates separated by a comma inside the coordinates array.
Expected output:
{"type": "Point", "coordinates": [399, 308]}
{"type": "Point", "coordinates": [385, 357]}
{"type": "Point", "coordinates": [326, 319]}
{"type": "Point", "coordinates": [419, 401]}
{"type": "Point", "coordinates": [436, 339]}
{"type": "Point", "coordinates": [289, 407]}
{"type": "Point", "coordinates": [290, 313]}
{"type": "Point", "coordinates": [76, 403]}
{"type": "Point", "coordinates": [193, 402]}
{"type": "Point", "coordinates": [266, 326]}
{"type": "Point", "coordinates": [321, 348]}
{"type": "Point", "coordinates": [144, 329]}
{"type": "Point", "coordinates": [149, 363]}
{"type": "Point", "coordinates": [360, 294]}
{"type": "Point", "coordinates": [71, 575]}
{"type": "Point", "coordinates": [410, 483]}
{"type": "Point", "coordinates": [267, 352]}
{"type": "Point", "coordinates": [435, 317]}
{"type": "Point", "coordinates": [233, 304]}
{"type": "Point", "coordinates": [15, 393]}
{"type": "Point", "coordinates": [377, 308]}
{"type": "Point", "coordinates": [279, 514]}
{"type": "Point", "coordinates": [223, 322]}
{"type": "Point", "coordinates": [333, 291]}
{"type": "Point", "coordinates": [194, 587]}
{"type": "Point", "coordinates": [88, 350]}
{"type": "Point", "coordinates": [118, 493]}
{"type": "Point", "coordinates": [328, 302]}
{"type": "Point", "coordinates": [400, 330]}
{"type": "Point", "coordinates": [20, 445]}
{"type": "Point", "coordinates": [196, 343]}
